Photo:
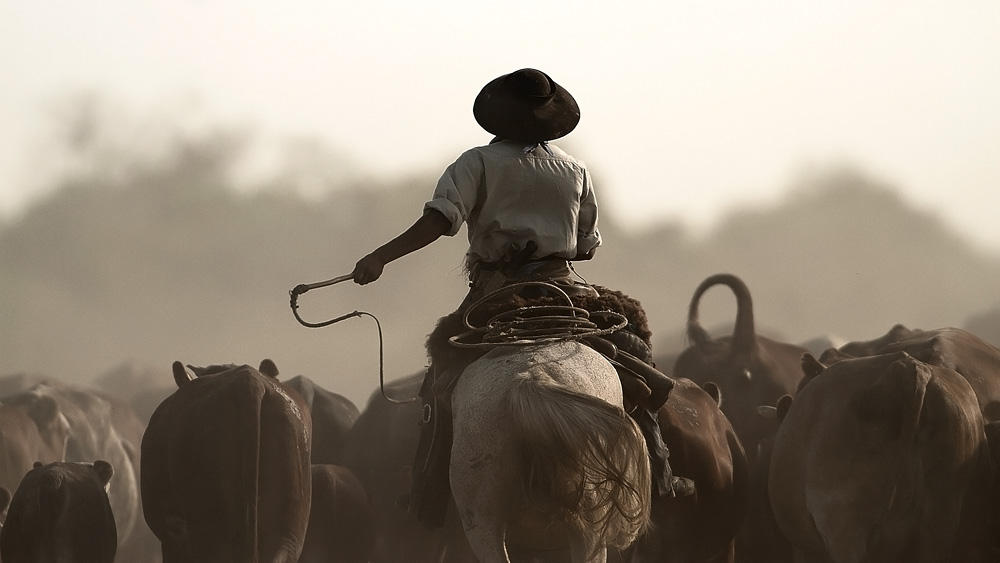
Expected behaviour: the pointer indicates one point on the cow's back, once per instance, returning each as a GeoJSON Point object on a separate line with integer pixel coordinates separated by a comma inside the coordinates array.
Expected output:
{"type": "Point", "coordinates": [225, 465]}
{"type": "Point", "coordinates": [974, 358]}
{"type": "Point", "coordinates": [60, 512]}
{"type": "Point", "coordinates": [332, 414]}
{"type": "Point", "coordinates": [703, 447]}
{"type": "Point", "coordinates": [883, 459]}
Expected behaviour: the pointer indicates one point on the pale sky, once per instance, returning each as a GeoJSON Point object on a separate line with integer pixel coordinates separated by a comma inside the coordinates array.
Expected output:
{"type": "Point", "coordinates": [688, 108]}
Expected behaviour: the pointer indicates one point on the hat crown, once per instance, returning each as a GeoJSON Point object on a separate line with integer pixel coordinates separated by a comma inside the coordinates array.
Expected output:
{"type": "Point", "coordinates": [526, 105]}
{"type": "Point", "coordinates": [531, 83]}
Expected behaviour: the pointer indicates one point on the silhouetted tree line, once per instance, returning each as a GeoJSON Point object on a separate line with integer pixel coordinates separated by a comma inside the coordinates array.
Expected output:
{"type": "Point", "coordinates": [169, 259]}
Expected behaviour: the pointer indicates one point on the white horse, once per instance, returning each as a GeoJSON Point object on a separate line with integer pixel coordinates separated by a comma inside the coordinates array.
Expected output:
{"type": "Point", "coordinates": [544, 458]}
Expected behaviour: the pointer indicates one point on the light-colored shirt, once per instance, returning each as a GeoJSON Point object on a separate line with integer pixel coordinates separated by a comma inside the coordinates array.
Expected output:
{"type": "Point", "coordinates": [507, 193]}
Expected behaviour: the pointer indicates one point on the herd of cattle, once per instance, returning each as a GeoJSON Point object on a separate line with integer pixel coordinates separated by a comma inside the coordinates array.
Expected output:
{"type": "Point", "coordinates": [878, 451]}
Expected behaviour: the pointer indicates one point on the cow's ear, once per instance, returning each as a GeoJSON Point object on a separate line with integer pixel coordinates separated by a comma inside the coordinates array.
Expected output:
{"type": "Point", "coordinates": [713, 390]}
{"type": "Point", "coordinates": [811, 367]}
{"type": "Point", "coordinates": [104, 471]}
{"type": "Point", "coordinates": [36, 465]}
{"type": "Point", "coordinates": [181, 375]}
{"type": "Point", "coordinates": [784, 403]}
{"type": "Point", "coordinates": [268, 368]}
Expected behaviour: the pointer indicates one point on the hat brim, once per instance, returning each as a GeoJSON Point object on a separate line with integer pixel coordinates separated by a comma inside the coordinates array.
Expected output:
{"type": "Point", "coordinates": [508, 116]}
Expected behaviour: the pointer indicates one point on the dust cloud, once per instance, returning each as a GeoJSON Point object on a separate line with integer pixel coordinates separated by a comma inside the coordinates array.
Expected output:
{"type": "Point", "coordinates": [138, 260]}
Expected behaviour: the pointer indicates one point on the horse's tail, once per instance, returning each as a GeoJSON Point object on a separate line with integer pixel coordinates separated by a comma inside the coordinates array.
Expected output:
{"type": "Point", "coordinates": [586, 458]}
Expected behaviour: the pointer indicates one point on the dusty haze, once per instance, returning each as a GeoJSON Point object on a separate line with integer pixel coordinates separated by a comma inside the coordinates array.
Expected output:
{"type": "Point", "coordinates": [140, 258]}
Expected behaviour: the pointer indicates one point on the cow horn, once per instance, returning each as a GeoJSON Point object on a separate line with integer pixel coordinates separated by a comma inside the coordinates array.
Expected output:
{"type": "Point", "coordinates": [181, 375]}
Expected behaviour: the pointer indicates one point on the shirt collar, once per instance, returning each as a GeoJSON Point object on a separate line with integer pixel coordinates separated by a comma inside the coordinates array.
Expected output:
{"type": "Point", "coordinates": [526, 148]}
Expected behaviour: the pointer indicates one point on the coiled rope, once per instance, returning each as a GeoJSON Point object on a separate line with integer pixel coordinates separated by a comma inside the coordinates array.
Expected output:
{"type": "Point", "coordinates": [534, 324]}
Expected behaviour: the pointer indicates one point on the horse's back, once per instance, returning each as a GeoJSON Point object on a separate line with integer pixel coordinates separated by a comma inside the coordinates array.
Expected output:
{"type": "Point", "coordinates": [568, 364]}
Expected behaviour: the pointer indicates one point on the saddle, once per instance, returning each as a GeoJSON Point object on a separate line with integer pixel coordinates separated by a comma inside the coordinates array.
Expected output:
{"type": "Point", "coordinates": [627, 349]}
{"type": "Point", "coordinates": [644, 388]}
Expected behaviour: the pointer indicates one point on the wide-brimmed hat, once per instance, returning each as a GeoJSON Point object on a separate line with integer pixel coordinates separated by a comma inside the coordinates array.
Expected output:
{"type": "Point", "coordinates": [526, 105]}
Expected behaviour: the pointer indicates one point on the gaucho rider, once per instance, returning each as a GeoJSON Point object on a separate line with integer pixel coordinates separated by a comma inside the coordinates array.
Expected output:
{"type": "Point", "coordinates": [530, 210]}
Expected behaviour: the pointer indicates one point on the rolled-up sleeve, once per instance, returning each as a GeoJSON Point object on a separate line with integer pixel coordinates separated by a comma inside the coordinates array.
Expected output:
{"type": "Point", "coordinates": [457, 189]}
{"type": "Point", "coordinates": [587, 235]}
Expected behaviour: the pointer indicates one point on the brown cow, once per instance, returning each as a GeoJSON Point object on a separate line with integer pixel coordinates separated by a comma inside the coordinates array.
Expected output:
{"type": "Point", "coordinates": [341, 522]}
{"type": "Point", "coordinates": [225, 467]}
{"type": "Point", "coordinates": [883, 458]}
{"type": "Point", "coordinates": [332, 418]}
{"type": "Point", "coordinates": [96, 427]}
{"type": "Point", "coordinates": [702, 527]}
{"type": "Point", "coordinates": [380, 451]}
{"type": "Point", "coordinates": [972, 357]}
{"type": "Point", "coordinates": [750, 370]}
{"type": "Point", "coordinates": [759, 539]}
{"type": "Point", "coordinates": [61, 513]}
{"type": "Point", "coordinates": [31, 429]}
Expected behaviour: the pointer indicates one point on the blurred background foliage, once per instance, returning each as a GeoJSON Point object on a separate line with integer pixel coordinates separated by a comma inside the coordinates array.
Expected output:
{"type": "Point", "coordinates": [138, 257]}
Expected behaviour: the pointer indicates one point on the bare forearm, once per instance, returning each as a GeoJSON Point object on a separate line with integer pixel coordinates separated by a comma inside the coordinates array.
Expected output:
{"type": "Point", "coordinates": [427, 229]}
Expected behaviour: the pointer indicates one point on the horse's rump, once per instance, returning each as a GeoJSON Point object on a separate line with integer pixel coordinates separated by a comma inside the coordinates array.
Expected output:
{"type": "Point", "coordinates": [544, 456]}
{"type": "Point", "coordinates": [585, 458]}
